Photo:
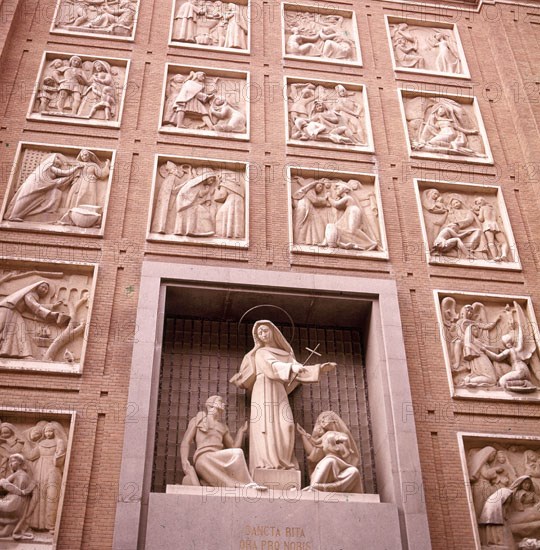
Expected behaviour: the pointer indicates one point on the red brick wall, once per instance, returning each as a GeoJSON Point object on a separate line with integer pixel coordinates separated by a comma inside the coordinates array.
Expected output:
{"type": "Point", "coordinates": [501, 44]}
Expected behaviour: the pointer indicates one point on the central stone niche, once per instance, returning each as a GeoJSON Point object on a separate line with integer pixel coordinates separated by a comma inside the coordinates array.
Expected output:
{"type": "Point", "coordinates": [204, 344]}
{"type": "Point", "coordinates": [207, 331]}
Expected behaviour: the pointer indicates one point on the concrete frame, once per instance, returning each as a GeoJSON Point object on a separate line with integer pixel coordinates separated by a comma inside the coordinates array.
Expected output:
{"type": "Point", "coordinates": [397, 461]}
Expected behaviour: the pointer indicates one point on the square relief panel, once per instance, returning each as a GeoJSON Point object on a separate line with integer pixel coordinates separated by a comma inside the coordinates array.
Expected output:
{"type": "Point", "coordinates": [502, 476]}
{"type": "Point", "coordinates": [199, 201]}
{"type": "Point", "coordinates": [444, 126]}
{"type": "Point", "coordinates": [206, 102]}
{"type": "Point", "coordinates": [58, 189]}
{"type": "Point", "coordinates": [211, 25]}
{"type": "Point", "coordinates": [315, 33]}
{"type": "Point", "coordinates": [336, 213]}
{"type": "Point", "coordinates": [426, 47]}
{"type": "Point", "coordinates": [35, 448]}
{"type": "Point", "coordinates": [80, 89]}
{"type": "Point", "coordinates": [44, 315]}
{"type": "Point", "coordinates": [114, 21]}
{"type": "Point", "coordinates": [328, 114]}
{"type": "Point", "coordinates": [490, 345]}
{"type": "Point", "coordinates": [466, 224]}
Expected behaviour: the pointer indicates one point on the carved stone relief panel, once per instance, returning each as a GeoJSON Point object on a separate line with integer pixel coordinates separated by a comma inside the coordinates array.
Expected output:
{"type": "Point", "coordinates": [444, 126]}
{"type": "Point", "coordinates": [206, 102]}
{"type": "Point", "coordinates": [44, 315]}
{"type": "Point", "coordinates": [200, 201]}
{"type": "Point", "coordinates": [320, 34]}
{"type": "Point", "coordinates": [100, 18]}
{"type": "Point", "coordinates": [58, 189]}
{"type": "Point", "coordinates": [328, 114]}
{"type": "Point", "coordinates": [80, 89]}
{"type": "Point", "coordinates": [490, 344]}
{"type": "Point", "coordinates": [426, 47]}
{"type": "Point", "coordinates": [503, 480]}
{"type": "Point", "coordinates": [34, 459]}
{"type": "Point", "coordinates": [466, 224]}
{"type": "Point", "coordinates": [336, 213]}
{"type": "Point", "coordinates": [211, 24]}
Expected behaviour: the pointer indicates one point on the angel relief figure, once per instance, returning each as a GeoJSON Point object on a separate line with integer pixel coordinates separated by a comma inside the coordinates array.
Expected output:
{"type": "Point", "coordinates": [442, 125]}
{"type": "Point", "coordinates": [447, 58]}
{"type": "Point", "coordinates": [481, 358]}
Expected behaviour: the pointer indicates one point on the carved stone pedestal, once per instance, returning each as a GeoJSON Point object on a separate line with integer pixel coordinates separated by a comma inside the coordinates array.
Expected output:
{"type": "Point", "coordinates": [278, 479]}
{"type": "Point", "coordinates": [215, 518]}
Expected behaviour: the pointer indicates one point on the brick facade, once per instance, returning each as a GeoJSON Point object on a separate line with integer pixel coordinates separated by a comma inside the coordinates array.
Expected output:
{"type": "Point", "coordinates": [500, 42]}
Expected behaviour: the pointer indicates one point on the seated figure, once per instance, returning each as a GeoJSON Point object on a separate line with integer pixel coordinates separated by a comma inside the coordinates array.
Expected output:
{"type": "Point", "coordinates": [333, 456]}
{"type": "Point", "coordinates": [218, 460]}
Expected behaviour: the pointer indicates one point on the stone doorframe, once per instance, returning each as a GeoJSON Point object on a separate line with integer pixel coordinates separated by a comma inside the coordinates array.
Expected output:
{"type": "Point", "coordinates": [397, 462]}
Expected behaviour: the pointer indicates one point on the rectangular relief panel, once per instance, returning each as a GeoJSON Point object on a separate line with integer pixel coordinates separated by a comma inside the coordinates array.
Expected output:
{"type": "Point", "coordinates": [45, 311]}
{"type": "Point", "coordinates": [444, 127]}
{"type": "Point", "coordinates": [211, 25]}
{"type": "Point", "coordinates": [80, 89]}
{"type": "Point", "coordinates": [98, 19]}
{"type": "Point", "coordinates": [320, 34]}
{"type": "Point", "coordinates": [337, 213]}
{"type": "Point", "coordinates": [502, 477]}
{"type": "Point", "coordinates": [490, 344]}
{"type": "Point", "coordinates": [426, 47]}
{"type": "Point", "coordinates": [329, 114]}
{"type": "Point", "coordinates": [58, 189]}
{"type": "Point", "coordinates": [35, 448]}
{"type": "Point", "coordinates": [199, 201]}
{"type": "Point", "coordinates": [465, 224]}
{"type": "Point", "coordinates": [205, 102]}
